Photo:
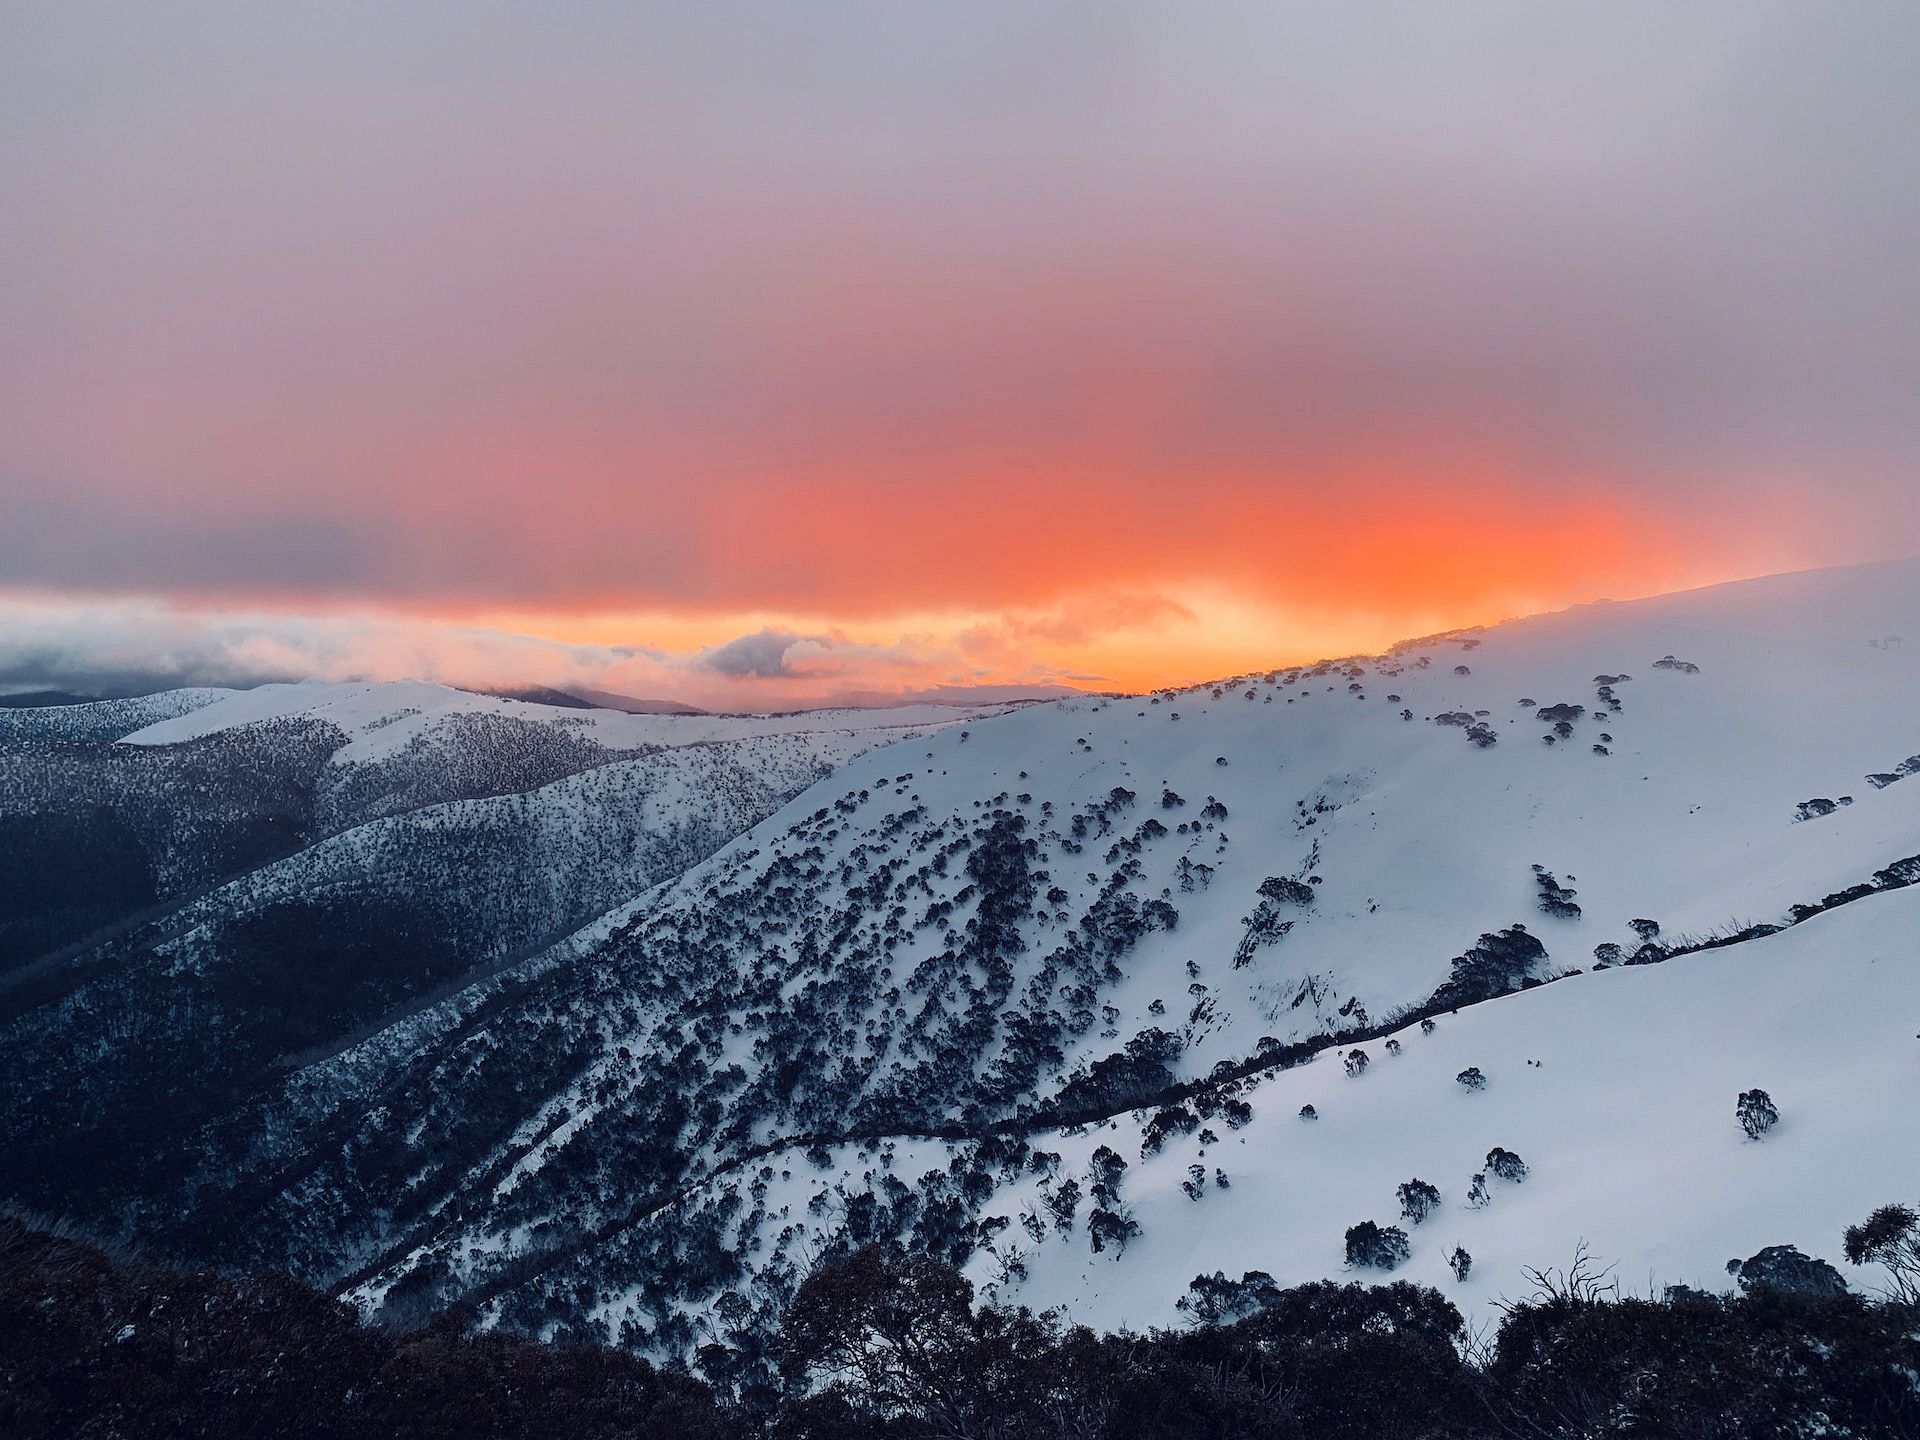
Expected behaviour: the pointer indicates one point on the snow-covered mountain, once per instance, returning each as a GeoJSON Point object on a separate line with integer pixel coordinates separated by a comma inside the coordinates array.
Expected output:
{"type": "Point", "coordinates": [172, 792]}
{"type": "Point", "coordinates": [998, 989]}
{"type": "Point", "coordinates": [209, 887]}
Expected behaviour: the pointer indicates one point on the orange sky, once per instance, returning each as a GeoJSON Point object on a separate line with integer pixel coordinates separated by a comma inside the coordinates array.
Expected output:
{"type": "Point", "coordinates": [765, 357]}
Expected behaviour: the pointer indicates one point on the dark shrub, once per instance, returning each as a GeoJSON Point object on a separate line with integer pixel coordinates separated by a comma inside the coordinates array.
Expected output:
{"type": "Point", "coordinates": [1418, 1200]}
{"type": "Point", "coordinates": [1506, 1164]}
{"type": "Point", "coordinates": [1784, 1268]}
{"type": "Point", "coordinates": [1373, 1247]}
{"type": "Point", "coordinates": [1756, 1113]}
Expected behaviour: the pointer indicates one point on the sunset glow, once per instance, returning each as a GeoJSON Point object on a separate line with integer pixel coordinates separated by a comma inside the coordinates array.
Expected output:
{"type": "Point", "coordinates": [1018, 345]}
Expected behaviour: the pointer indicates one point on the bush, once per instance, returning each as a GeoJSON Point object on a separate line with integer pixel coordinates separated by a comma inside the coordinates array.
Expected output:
{"type": "Point", "coordinates": [1373, 1247]}
{"type": "Point", "coordinates": [1418, 1200]}
{"type": "Point", "coordinates": [1756, 1113]}
{"type": "Point", "coordinates": [1110, 1230]}
{"type": "Point", "coordinates": [1506, 1164]}
{"type": "Point", "coordinates": [1784, 1268]}
{"type": "Point", "coordinates": [1498, 962]}
{"type": "Point", "coordinates": [885, 1345]}
{"type": "Point", "coordinates": [1286, 891]}
{"type": "Point", "coordinates": [1472, 1078]}
{"type": "Point", "coordinates": [1890, 1237]}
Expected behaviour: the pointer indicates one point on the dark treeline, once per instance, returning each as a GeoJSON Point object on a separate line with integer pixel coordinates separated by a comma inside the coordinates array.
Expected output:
{"type": "Point", "coordinates": [891, 1346]}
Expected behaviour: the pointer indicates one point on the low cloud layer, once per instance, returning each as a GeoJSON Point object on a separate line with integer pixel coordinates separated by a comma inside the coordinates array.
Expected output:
{"type": "Point", "coordinates": [119, 647]}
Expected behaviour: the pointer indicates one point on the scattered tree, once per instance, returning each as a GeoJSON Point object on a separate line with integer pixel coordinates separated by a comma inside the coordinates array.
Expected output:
{"type": "Point", "coordinates": [1418, 1199]}
{"type": "Point", "coordinates": [1785, 1269]}
{"type": "Point", "coordinates": [1756, 1113]}
{"type": "Point", "coordinates": [1373, 1247]}
{"type": "Point", "coordinates": [1110, 1229]}
{"type": "Point", "coordinates": [1506, 1164]}
{"type": "Point", "coordinates": [1890, 1237]}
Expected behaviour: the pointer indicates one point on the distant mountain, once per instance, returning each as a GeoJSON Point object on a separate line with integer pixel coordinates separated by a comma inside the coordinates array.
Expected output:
{"type": "Point", "coordinates": [1044, 992]}
{"type": "Point", "coordinates": [965, 695]}
{"type": "Point", "coordinates": [329, 855]}
{"type": "Point", "coordinates": [585, 698]}
{"type": "Point", "coordinates": [40, 699]}
{"type": "Point", "coordinates": [632, 704]}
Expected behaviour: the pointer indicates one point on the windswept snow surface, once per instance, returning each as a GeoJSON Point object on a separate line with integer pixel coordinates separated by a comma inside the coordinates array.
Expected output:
{"type": "Point", "coordinates": [1617, 1089]}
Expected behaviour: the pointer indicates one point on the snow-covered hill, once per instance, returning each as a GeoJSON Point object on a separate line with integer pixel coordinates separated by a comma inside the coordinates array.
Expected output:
{"type": "Point", "coordinates": [1073, 907]}
{"type": "Point", "coordinates": [382, 718]}
{"type": "Point", "coordinates": [102, 719]}
{"type": "Point", "coordinates": [1617, 1088]}
{"type": "Point", "coordinates": [884, 1010]}
{"type": "Point", "coordinates": [189, 915]}
{"type": "Point", "coordinates": [207, 784]}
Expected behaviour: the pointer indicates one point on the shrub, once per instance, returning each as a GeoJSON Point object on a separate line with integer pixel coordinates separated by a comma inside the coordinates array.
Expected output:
{"type": "Point", "coordinates": [1110, 1229]}
{"type": "Point", "coordinates": [1472, 1078]}
{"type": "Point", "coordinates": [1890, 1237]}
{"type": "Point", "coordinates": [1213, 1298]}
{"type": "Point", "coordinates": [1506, 1164]}
{"type": "Point", "coordinates": [1785, 1269]}
{"type": "Point", "coordinates": [1286, 891]}
{"type": "Point", "coordinates": [1418, 1200]}
{"type": "Point", "coordinates": [1373, 1247]}
{"type": "Point", "coordinates": [1496, 964]}
{"type": "Point", "coordinates": [1756, 1113]}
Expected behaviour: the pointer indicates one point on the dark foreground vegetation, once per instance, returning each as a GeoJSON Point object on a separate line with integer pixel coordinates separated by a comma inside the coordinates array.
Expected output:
{"type": "Point", "coordinates": [886, 1344]}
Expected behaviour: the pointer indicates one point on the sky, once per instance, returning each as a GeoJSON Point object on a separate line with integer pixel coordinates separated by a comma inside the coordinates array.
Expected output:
{"type": "Point", "coordinates": [756, 355]}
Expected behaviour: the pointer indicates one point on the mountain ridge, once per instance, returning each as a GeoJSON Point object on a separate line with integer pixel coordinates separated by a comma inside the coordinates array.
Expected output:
{"type": "Point", "coordinates": [1166, 900]}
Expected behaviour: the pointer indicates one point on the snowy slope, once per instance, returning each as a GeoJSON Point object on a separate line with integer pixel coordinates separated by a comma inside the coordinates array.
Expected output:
{"type": "Point", "coordinates": [103, 719]}
{"type": "Point", "coordinates": [187, 1003]}
{"type": "Point", "coordinates": [959, 933]}
{"type": "Point", "coordinates": [871, 1015]}
{"type": "Point", "coordinates": [541, 862]}
{"type": "Point", "coordinates": [382, 717]}
{"type": "Point", "coordinates": [1616, 1087]}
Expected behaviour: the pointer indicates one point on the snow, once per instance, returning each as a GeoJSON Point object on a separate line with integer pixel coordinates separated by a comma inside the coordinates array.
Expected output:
{"type": "Point", "coordinates": [1627, 1125]}
{"type": "Point", "coordinates": [1416, 842]}
{"type": "Point", "coordinates": [1425, 843]}
{"type": "Point", "coordinates": [381, 717]}
{"type": "Point", "coordinates": [98, 720]}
